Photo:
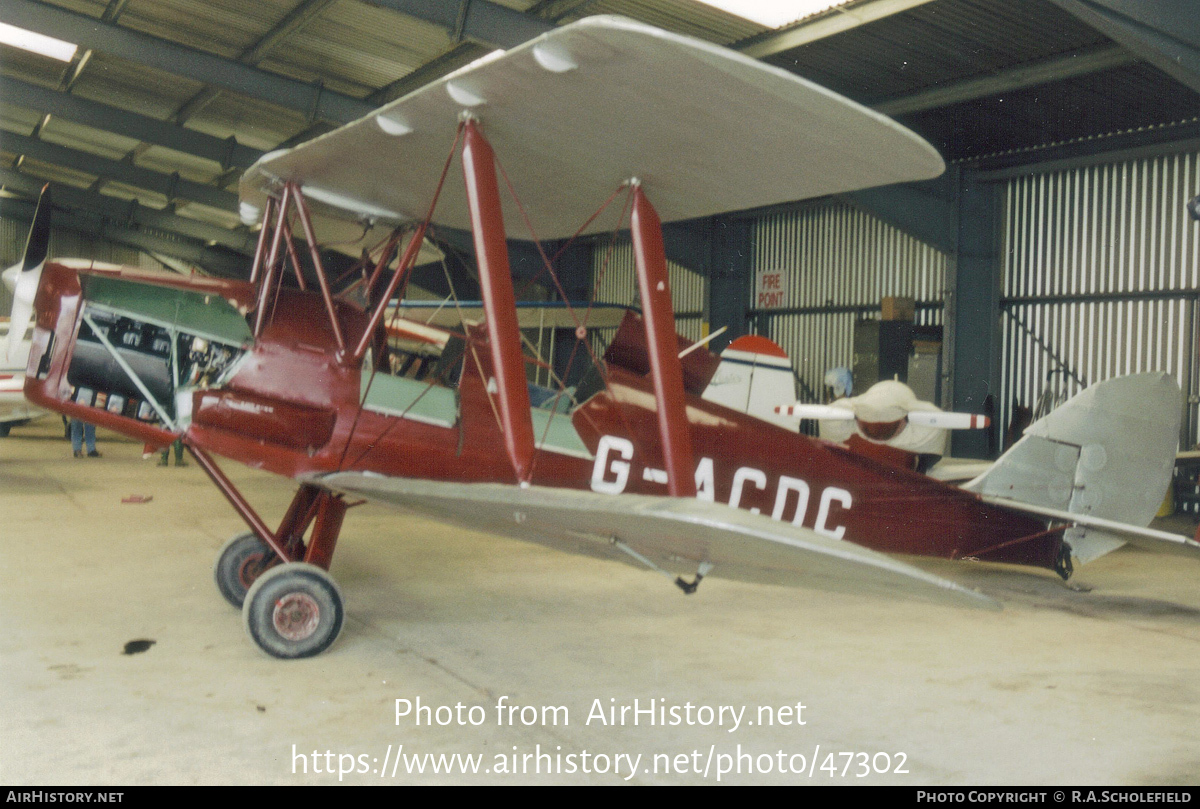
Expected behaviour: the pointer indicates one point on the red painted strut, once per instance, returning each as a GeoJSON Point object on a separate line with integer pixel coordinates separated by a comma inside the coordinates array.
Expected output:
{"type": "Point", "coordinates": [495, 281]}
{"type": "Point", "coordinates": [665, 368]}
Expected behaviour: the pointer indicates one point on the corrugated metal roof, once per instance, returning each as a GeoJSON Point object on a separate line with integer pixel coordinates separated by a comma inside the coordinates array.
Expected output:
{"type": "Point", "coordinates": [682, 16]}
{"type": "Point", "coordinates": [127, 85]}
{"type": "Point", "coordinates": [937, 43]}
{"type": "Point", "coordinates": [949, 42]}
{"type": "Point", "coordinates": [360, 49]}
{"type": "Point", "coordinates": [224, 27]}
{"type": "Point", "coordinates": [356, 48]}
{"type": "Point", "coordinates": [1095, 105]}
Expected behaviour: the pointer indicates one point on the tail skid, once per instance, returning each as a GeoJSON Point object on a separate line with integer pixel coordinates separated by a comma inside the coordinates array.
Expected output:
{"type": "Point", "coordinates": [1102, 460]}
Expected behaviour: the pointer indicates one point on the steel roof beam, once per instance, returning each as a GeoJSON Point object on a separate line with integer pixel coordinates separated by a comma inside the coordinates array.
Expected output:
{"type": "Point", "coordinates": [296, 20]}
{"type": "Point", "coordinates": [923, 210]}
{"type": "Point", "coordinates": [129, 211]}
{"type": "Point", "coordinates": [227, 153]}
{"type": "Point", "coordinates": [1079, 63]}
{"type": "Point", "coordinates": [460, 55]}
{"type": "Point", "coordinates": [216, 261]}
{"type": "Point", "coordinates": [213, 261]}
{"type": "Point", "coordinates": [488, 23]}
{"type": "Point", "coordinates": [169, 185]}
{"type": "Point", "coordinates": [1163, 32]}
{"type": "Point", "coordinates": [1178, 138]}
{"type": "Point", "coordinates": [835, 21]}
{"type": "Point", "coordinates": [311, 99]}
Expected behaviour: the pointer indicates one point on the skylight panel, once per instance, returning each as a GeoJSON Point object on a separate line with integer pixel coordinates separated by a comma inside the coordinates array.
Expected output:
{"type": "Point", "coordinates": [37, 43]}
{"type": "Point", "coordinates": [773, 13]}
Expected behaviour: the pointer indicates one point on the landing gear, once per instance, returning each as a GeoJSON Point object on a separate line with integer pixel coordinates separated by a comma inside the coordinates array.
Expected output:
{"type": "Point", "coordinates": [1062, 565]}
{"type": "Point", "coordinates": [294, 610]}
{"type": "Point", "coordinates": [290, 606]}
{"type": "Point", "coordinates": [244, 558]}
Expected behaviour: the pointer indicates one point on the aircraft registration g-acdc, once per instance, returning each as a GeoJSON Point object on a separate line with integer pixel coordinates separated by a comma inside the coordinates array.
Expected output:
{"type": "Point", "coordinates": [332, 387]}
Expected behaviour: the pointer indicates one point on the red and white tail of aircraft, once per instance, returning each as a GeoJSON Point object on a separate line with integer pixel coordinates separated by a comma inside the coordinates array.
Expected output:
{"type": "Point", "coordinates": [755, 374]}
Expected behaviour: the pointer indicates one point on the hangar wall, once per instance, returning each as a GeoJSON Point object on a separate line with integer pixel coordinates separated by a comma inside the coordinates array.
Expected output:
{"type": "Point", "coordinates": [840, 262]}
{"type": "Point", "coordinates": [65, 243]}
{"type": "Point", "coordinates": [1101, 278]}
{"type": "Point", "coordinates": [614, 280]}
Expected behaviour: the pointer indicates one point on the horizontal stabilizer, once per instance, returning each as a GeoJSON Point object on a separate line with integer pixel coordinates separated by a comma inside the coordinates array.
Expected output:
{"type": "Point", "coordinates": [1148, 539]}
{"type": "Point", "coordinates": [676, 534]}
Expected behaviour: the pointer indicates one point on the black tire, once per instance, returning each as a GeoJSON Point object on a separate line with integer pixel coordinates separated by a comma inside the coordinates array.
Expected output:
{"type": "Point", "coordinates": [5, 426]}
{"type": "Point", "coordinates": [240, 562]}
{"type": "Point", "coordinates": [294, 610]}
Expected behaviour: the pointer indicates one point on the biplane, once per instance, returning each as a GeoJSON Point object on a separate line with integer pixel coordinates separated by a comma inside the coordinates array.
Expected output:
{"type": "Point", "coordinates": [330, 383]}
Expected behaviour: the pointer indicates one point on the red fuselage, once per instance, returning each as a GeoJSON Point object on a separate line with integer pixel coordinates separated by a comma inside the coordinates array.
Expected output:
{"type": "Point", "coordinates": [293, 406]}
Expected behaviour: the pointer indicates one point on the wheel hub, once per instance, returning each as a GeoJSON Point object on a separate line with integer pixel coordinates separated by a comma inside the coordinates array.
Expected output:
{"type": "Point", "coordinates": [296, 616]}
{"type": "Point", "coordinates": [250, 569]}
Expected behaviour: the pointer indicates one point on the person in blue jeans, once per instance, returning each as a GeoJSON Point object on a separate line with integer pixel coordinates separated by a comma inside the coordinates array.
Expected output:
{"type": "Point", "coordinates": [81, 433]}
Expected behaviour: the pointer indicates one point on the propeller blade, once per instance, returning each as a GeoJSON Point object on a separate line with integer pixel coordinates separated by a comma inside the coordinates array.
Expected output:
{"type": "Point", "coordinates": [24, 276]}
{"type": "Point", "coordinates": [949, 421]}
{"type": "Point", "coordinates": [815, 411]}
{"type": "Point", "coordinates": [940, 420]}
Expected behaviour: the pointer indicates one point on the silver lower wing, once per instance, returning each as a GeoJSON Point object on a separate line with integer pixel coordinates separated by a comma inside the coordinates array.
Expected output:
{"type": "Point", "coordinates": [679, 535]}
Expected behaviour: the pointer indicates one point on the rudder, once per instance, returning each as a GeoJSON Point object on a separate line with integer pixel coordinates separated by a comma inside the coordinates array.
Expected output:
{"type": "Point", "coordinates": [1108, 452]}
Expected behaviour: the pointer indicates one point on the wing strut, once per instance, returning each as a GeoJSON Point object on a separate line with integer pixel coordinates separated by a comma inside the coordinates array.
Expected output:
{"type": "Point", "coordinates": [665, 367]}
{"type": "Point", "coordinates": [495, 281]}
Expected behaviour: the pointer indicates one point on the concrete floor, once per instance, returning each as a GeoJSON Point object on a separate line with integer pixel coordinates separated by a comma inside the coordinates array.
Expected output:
{"type": "Point", "coordinates": [1061, 687]}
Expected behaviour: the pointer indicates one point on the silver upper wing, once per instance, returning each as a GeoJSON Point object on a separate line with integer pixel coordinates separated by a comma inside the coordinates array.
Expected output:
{"type": "Point", "coordinates": [577, 111]}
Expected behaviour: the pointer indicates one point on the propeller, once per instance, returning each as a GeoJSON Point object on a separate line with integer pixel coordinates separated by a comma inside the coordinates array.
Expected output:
{"type": "Point", "coordinates": [887, 402]}
{"type": "Point", "coordinates": [22, 278]}
{"type": "Point", "coordinates": [941, 420]}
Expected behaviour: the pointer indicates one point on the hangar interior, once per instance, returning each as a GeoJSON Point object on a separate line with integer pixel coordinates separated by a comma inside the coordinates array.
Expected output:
{"type": "Point", "coordinates": [1069, 128]}
{"type": "Point", "coordinates": [1055, 251]}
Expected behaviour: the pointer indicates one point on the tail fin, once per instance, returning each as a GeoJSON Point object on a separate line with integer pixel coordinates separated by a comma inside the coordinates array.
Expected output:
{"type": "Point", "coordinates": [22, 278]}
{"type": "Point", "coordinates": [1107, 453]}
{"type": "Point", "coordinates": [754, 377]}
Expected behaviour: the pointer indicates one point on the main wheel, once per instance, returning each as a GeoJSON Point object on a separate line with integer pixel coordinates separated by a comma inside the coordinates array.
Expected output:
{"type": "Point", "coordinates": [242, 560]}
{"type": "Point", "coordinates": [294, 610]}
